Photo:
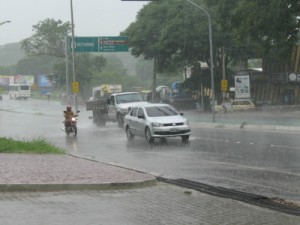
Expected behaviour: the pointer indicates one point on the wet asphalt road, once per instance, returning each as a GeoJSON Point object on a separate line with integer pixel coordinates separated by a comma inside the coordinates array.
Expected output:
{"type": "Point", "coordinates": [260, 162]}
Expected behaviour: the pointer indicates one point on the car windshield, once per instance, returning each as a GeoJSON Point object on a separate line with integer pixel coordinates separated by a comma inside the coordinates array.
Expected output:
{"type": "Point", "coordinates": [157, 111]}
{"type": "Point", "coordinates": [132, 97]}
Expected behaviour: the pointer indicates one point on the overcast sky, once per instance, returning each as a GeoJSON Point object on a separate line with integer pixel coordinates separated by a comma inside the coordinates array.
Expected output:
{"type": "Point", "coordinates": [91, 17]}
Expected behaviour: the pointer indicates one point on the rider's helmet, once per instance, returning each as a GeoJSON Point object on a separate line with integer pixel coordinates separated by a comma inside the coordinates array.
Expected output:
{"type": "Point", "coordinates": [69, 108]}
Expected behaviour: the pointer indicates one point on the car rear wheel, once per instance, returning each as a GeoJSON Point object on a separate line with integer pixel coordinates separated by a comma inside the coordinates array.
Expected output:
{"type": "Point", "coordinates": [148, 136]}
{"type": "Point", "coordinates": [129, 135]}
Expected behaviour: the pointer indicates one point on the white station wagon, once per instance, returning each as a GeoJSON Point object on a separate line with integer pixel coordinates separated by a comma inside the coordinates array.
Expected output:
{"type": "Point", "coordinates": [236, 105]}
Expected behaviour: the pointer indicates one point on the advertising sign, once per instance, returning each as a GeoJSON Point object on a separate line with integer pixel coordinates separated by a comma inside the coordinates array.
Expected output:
{"type": "Point", "coordinates": [23, 79]}
{"type": "Point", "coordinates": [6, 80]}
{"type": "Point", "coordinates": [43, 81]}
{"type": "Point", "coordinates": [242, 86]}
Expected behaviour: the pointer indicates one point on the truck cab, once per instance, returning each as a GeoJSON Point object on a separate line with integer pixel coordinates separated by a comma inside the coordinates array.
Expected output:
{"type": "Point", "coordinates": [120, 103]}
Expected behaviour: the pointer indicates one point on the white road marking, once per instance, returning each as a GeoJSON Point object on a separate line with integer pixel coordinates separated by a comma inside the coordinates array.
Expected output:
{"type": "Point", "coordinates": [238, 142]}
{"type": "Point", "coordinates": [282, 146]}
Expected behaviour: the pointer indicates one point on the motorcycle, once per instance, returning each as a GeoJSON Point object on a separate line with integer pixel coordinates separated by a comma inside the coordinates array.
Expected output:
{"type": "Point", "coordinates": [71, 126]}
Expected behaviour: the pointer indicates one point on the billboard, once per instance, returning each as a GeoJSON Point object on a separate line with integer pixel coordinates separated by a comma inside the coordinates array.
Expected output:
{"type": "Point", "coordinates": [43, 81]}
{"type": "Point", "coordinates": [20, 79]}
{"type": "Point", "coordinates": [6, 80]}
{"type": "Point", "coordinates": [242, 86]}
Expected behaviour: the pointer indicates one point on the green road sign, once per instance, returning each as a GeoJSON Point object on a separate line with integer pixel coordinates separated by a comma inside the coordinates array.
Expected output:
{"type": "Point", "coordinates": [100, 44]}
{"type": "Point", "coordinates": [113, 44]}
{"type": "Point", "coordinates": [85, 44]}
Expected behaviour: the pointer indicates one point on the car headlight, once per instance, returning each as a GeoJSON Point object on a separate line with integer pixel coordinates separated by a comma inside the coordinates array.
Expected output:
{"type": "Point", "coordinates": [186, 123]}
{"type": "Point", "coordinates": [155, 124]}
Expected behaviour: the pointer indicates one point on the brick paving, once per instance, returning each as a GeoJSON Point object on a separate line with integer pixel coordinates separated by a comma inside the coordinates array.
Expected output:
{"type": "Point", "coordinates": [156, 205]}
{"type": "Point", "coordinates": [153, 204]}
{"type": "Point", "coordinates": [56, 172]}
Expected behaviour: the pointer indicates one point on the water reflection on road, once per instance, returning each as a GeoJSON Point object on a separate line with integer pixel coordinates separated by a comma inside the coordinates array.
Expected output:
{"type": "Point", "coordinates": [257, 162]}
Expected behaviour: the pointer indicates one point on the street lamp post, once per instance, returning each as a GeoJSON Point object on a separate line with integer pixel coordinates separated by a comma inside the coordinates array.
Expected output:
{"type": "Point", "coordinates": [211, 57]}
{"type": "Point", "coordinates": [73, 56]}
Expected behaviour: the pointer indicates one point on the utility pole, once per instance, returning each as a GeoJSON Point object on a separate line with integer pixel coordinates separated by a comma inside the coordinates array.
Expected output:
{"type": "Point", "coordinates": [223, 70]}
{"type": "Point", "coordinates": [211, 59]}
{"type": "Point", "coordinates": [73, 57]}
{"type": "Point", "coordinates": [67, 67]}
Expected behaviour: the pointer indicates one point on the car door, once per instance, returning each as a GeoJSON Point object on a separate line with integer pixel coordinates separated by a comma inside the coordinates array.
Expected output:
{"type": "Point", "coordinates": [132, 120]}
{"type": "Point", "coordinates": [236, 106]}
{"type": "Point", "coordinates": [141, 122]}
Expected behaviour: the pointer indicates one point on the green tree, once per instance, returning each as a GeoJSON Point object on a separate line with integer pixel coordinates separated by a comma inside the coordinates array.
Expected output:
{"type": "Point", "coordinates": [265, 24]}
{"type": "Point", "coordinates": [87, 67]}
{"type": "Point", "coordinates": [175, 34]}
{"type": "Point", "coordinates": [49, 41]}
{"type": "Point", "coordinates": [8, 70]}
{"type": "Point", "coordinates": [36, 65]}
{"type": "Point", "coordinates": [49, 38]}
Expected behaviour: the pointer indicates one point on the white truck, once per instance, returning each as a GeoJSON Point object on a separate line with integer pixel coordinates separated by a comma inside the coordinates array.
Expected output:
{"type": "Point", "coordinates": [112, 107]}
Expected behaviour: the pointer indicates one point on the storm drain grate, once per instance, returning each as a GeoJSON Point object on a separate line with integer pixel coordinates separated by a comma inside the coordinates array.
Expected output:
{"type": "Point", "coordinates": [253, 199]}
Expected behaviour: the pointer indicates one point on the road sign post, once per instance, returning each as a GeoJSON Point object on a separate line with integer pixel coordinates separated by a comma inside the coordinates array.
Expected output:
{"type": "Point", "coordinates": [75, 86]}
{"type": "Point", "coordinates": [224, 85]}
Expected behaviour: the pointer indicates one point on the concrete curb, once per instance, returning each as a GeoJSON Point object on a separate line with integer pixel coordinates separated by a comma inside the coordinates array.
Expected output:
{"type": "Point", "coordinates": [245, 126]}
{"type": "Point", "coordinates": [75, 187]}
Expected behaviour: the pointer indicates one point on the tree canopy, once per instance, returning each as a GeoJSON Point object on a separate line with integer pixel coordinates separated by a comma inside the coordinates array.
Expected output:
{"type": "Point", "coordinates": [49, 38]}
{"type": "Point", "coordinates": [265, 24]}
{"type": "Point", "coordinates": [172, 32]}
{"type": "Point", "coordinates": [175, 33]}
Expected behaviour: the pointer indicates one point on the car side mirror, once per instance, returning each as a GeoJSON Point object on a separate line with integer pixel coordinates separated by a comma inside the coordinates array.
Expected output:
{"type": "Point", "coordinates": [181, 114]}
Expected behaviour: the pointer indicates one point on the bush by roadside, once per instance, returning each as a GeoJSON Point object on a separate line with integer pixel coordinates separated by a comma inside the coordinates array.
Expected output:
{"type": "Point", "coordinates": [37, 146]}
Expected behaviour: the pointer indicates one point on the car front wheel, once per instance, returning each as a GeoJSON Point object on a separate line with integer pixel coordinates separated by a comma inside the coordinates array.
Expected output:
{"type": "Point", "coordinates": [120, 121]}
{"type": "Point", "coordinates": [129, 135]}
{"type": "Point", "coordinates": [148, 136]}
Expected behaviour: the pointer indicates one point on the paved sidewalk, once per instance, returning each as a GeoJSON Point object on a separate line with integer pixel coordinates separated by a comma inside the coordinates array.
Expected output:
{"type": "Point", "coordinates": [63, 189]}
{"type": "Point", "coordinates": [33, 172]}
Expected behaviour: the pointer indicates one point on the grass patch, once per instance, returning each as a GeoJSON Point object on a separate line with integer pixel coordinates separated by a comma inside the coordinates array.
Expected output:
{"type": "Point", "coordinates": [37, 146]}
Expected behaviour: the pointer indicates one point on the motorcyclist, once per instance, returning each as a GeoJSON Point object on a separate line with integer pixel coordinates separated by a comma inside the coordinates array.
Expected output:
{"type": "Point", "coordinates": [68, 114]}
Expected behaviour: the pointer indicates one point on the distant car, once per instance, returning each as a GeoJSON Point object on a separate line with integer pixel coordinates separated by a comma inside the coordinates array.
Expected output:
{"type": "Point", "coordinates": [156, 121]}
{"type": "Point", "coordinates": [236, 105]}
